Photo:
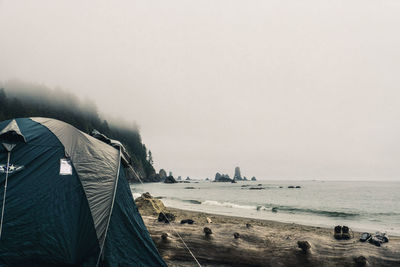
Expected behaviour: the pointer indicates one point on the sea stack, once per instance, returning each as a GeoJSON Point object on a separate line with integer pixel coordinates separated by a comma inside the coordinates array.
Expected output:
{"type": "Point", "coordinates": [237, 176]}
{"type": "Point", "coordinates": [163, 174]}
{"type": "Point", "coordinates": [222, 177]}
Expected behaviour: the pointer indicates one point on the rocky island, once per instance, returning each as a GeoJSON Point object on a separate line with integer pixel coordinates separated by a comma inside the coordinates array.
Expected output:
{"type": "Point", "coordinates": [236, 177]}
{"type": "Point", "coordinates": [222, 178]}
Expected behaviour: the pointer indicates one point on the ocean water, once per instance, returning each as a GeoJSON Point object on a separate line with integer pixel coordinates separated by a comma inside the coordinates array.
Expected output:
{"type": "Point", "coordinates": [361, 205]}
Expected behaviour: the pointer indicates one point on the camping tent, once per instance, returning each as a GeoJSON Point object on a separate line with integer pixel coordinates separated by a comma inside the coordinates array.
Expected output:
{"type": "Point", "coordinates": [67, 201]}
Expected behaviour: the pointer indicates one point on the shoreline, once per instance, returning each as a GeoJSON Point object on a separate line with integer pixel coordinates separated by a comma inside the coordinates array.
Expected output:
{"type": "Point", "coordinates": [264, 243]}
{"type": "Point", "coordinates": [317, 204]}
{"type": "Point", "coordinates": [316, 225]}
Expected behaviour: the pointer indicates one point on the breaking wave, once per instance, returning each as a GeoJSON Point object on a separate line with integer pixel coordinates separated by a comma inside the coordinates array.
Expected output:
{"type": "Point", "coordinates": [192, 201]}
{"type": "Point", "coordinates": [326, 213]}
{"type": "Point", "coordinates": [270, 207]}
{"type": "Point", "coordinates": [277, 208]}
{"type": "Point", "coordinates": [227, 204]}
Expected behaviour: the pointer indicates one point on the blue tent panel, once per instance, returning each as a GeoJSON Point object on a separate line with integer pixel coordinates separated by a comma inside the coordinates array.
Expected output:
{"type": "Point", "coordinates": [48, 220]}
{"type": "Point", "coordinates": [126, 225]}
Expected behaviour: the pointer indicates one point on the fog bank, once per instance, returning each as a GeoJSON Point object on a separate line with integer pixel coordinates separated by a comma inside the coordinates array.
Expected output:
{"type": "Point", "coordinates": [283, 89]}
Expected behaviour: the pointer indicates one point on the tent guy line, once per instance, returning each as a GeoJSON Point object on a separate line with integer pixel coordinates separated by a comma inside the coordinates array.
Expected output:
{"type": "Point", "coordinates": [171, 227]}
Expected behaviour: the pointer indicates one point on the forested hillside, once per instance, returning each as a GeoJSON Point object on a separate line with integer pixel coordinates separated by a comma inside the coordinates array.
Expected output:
{"type": "Point", "coordinates": [18, 99]}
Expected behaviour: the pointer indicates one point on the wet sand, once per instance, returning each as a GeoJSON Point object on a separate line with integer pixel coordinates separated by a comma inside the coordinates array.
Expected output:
{"type": "Point", "coordinates": [265, 243]}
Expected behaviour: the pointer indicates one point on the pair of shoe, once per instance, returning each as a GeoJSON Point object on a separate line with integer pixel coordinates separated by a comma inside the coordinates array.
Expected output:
{"type": "Point", "coordinates": [341, 232]}
{"type": "Point", "coordinates": [378, 238]}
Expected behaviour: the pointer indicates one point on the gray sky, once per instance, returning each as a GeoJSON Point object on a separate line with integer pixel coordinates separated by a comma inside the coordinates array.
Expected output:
{"type": "Point", "coordinates": [284, 89]}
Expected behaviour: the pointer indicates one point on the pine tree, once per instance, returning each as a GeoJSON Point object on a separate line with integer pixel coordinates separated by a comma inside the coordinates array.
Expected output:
{"type": "Point", "coordinates": [150, 158]}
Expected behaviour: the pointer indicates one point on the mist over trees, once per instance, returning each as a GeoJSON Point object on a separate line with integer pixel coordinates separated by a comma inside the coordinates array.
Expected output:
{"type": "Point", "coordinates": [20, 99]}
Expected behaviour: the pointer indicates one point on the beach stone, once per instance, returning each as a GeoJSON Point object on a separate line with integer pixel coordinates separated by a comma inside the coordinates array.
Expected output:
{"type": "Point", "coordinates": [207, 231]}
{"type": "Point", "coordinates": [188, 221]}
{"type": "Point", "coordinates": [236, 235]}
{"type": "Point", "coordinates": [164, 236]}
{"type": "Point", "coordinates": [166, 217]}
{"type": "Point", "coordinates": [274, 209]}
{"type": "Point", "coordinates": [256, 188]}
{"type": "Point", "coordinates": [248, 225]}
{"type": "Point", "coordinates": [360, 261]}
{"type": "Point", "coordinates": [304, 245]}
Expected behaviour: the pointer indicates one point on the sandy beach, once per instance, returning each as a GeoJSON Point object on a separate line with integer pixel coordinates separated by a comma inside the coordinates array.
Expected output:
{"type": "Point", "coordinates": [264, 243]}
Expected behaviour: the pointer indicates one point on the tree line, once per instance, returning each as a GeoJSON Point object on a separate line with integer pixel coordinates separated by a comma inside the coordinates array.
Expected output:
{"type": "Point", "coordinates": [19, 100]}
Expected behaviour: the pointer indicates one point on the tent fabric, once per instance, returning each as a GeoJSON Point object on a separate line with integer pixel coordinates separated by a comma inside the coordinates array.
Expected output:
{"type": "Point", "coordinates": [12, 133]}
{"type": "Point", "coordinates": [48, 217]}
{"type": "Point", "coordinates": [123, 224]}
{"type": "Point", "coordinates": [126, 159]}
{"type": "Point", "coordinates": [97, 164]}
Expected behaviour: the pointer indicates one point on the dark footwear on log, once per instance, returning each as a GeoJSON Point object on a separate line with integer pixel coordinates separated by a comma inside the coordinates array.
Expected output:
{"type": "Point", "coordinates": [345, 233]}
{"type": "Point", "coordinates": [337, 232]}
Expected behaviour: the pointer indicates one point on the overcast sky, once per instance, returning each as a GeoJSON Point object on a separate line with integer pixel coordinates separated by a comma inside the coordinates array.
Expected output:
{"type": "Point", "coordinates": [284, 89]}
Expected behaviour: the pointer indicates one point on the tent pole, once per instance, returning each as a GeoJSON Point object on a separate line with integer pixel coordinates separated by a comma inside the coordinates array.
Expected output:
{"type": "Point", "coordinates": [5, 192]}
